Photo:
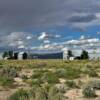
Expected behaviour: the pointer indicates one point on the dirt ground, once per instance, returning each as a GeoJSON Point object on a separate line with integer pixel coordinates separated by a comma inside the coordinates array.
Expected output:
{"type": "Point", "coordinates": [4, 94]}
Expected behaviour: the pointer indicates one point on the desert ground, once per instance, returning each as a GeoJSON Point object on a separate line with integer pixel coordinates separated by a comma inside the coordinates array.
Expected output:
{"type": "Point", "coordinates": [49, 80]}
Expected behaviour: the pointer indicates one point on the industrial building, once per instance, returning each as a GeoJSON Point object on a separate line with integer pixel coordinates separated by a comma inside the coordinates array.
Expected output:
{"type": "Point", "coordinates": [91, 45]}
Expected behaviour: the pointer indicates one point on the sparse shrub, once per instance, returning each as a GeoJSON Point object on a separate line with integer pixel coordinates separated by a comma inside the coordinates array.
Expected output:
{"type": "Point", "coordinates": [36, 75]}
{"type": "Point", "coordinates": [19, 95]}
{"type": "Point", "coordinates": [30, 66]}
{"type": "Point", "coordinates": [60, 72]}
{"type": "Point", "coordinates": [9, 72]}
{"type": "Point", "coordinates": [92, 73]}
{"type": "Point", "coordinates": [68, 72]}
{"type": "Point", "coordinates": [84, 69]}
{"type": "Point", "coordinates": [41, 94]}
{"type": "Point", "coordinates": [94, 84]}
{"type": "Point", "coordinates": [90, 66]}
{"type": "Point", "coordinates": [1, 66]}
{"type": "Point", "coordinates": [38, 93]}
{"type": "Point", "coordinates": [51, 78]}
{"type": "Point", "coordinates": [32, 93]}
{"type": "Point", "coordinates": [24, 77]}
{"type": "Point", "coordinates": [53, 90]}
{"type": "Point", "coordinates": [40, 65]}
{"type": "Point", "coordinates": [6, 81]}
{"type": "Point", "coordinates": [79, 83]}
{"type": "Point", "coordinates": [89, 92]}
{"type": "Point", "coordinates": [72, 73]}
{"type": "Point", "coordinates": [58, 96]}
{"type": "Point", "coordinates": [48, 93]}
{"type": "Point", "coordinates": [1, 63]}
{"type": "Point", "coordinates": [62, 87]}
{"type": "Point", "coordinates": [18, 68]}
{"type": "Point", "coordinates": [37, 82]}
{"type": "Point", "coordinates": [71, 84]}
{"type": "Point", "coordinates": [13, 72]}
{"type": "Point", "coordinates": [55, 94]}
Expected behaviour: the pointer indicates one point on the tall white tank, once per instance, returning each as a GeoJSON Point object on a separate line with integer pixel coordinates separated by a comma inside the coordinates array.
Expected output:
{"type": "Point", "coordinates": [65, 53]}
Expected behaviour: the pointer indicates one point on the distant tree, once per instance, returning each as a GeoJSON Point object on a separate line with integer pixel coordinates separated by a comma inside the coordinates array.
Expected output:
{"type": "Point", "coordinates": [25, 55]}
{"type": "Point", "coordinates": [70, 54]}
{"type": "Point", "coordinates": [78, 58]}
{"type": "Point", "coordinates": [84, 55]}
{"type": "Point", "coordinates": [5, 54]}
{"type": "Point", "coordinates": [15, 55]}
{"type": "Point", "coordinates": [10, 53]}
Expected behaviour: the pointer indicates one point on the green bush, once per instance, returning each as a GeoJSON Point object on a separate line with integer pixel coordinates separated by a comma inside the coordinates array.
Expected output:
{"type": "Point", "coordinates": [55, 94]}
{"type": "Point", "coordinates": [71, 84]}
{"type": "Point", "coordinates": [30, 66]}
{"type": "Point", "coordinates": [38, 93]}
{"type": "Point", "coordinates": [36, 82]}
{"type": "Point", "coordinates": [6, 81]}
{"type": "Point", "coordinates": [92, 73]}
{"type": "Point", "coordinates": [8, 72]}
{"type": "Point", "coordinates": [40, 65]}
{"type": "Point", "coordinates": [68, 72]}
{"type": "Point", "coordinates": [1, 66]}
{"type": "Point", "coordinates": [24, 77]}
{"type": "Point", "coordinates": [62, 87]}
{"type": "Point", "coordinates": [94, 84]}
{"type": "Point", "coordinates": [41, 94]}
{"type": "Point", "coordinates": [89, 71]}
{"type": "Point", "coordinates": [19, 95]}
{"type": "Point", "coordinates": [51, 78]}
{"type": "Point", "coordinates": [53, 90]}
{"type": "Point", "coordinates": [37, 74]}
{"type": "Point", "coordinates": [89, 92]}
{"type": "Point", "coordinates": [72, 73]}
{"type": "Point", "coordinates": [13, 72]}
{"type": "Point", "coordinates": [32, 93]}
{"type": "Point", "coordinates": [60, 72]}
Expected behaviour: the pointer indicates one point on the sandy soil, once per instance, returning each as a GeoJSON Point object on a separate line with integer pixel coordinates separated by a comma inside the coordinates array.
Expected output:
{"type": "Point", "coordinates": [4, 94]}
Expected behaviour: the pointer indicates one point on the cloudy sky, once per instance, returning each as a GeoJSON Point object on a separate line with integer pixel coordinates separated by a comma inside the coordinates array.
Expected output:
{"type": "Point", "coordinates": [48, 24]}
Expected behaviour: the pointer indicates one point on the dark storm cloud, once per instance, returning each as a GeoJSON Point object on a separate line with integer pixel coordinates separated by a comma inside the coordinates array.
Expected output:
{"type": "Point", "coordinates": [16, 15]}
{"type": "Point", "coordinates": [21, 15]}
{"type": "Point", "coordinates": [82, 18]}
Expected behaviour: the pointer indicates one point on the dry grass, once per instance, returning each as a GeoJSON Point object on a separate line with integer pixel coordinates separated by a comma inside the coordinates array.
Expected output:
{"type": "Point", "coordinates": [52, 72]}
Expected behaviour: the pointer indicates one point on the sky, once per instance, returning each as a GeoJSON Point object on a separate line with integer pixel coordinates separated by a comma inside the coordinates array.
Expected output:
{"type": "Point", "coordinates": [48, 25]}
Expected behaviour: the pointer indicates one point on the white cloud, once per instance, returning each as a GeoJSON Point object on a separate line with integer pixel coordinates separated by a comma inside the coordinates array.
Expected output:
{"type": "Point", "coordinates": [98, 33]}
{"type": "Point", "coordinates": [83, 43]}
{"type": "Point", "coordinates": [46, 41]}
{"type": "Point", "coordinates": [15, 39]}
{"type": "Point", "coordinates": [57, 36]}
{"type": "Point", "coordinates": [20, 42]}
{"type": "Point", "coordinates": [28, 37]}
{"type": "Point", "coordinates": [46, 46]}
{"type": "Point", "coordinates": [21, 47]}
{"type": "Point", "coordinates": [45, 36]}
{"type": "Point", "coordinates": [98, 15]}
